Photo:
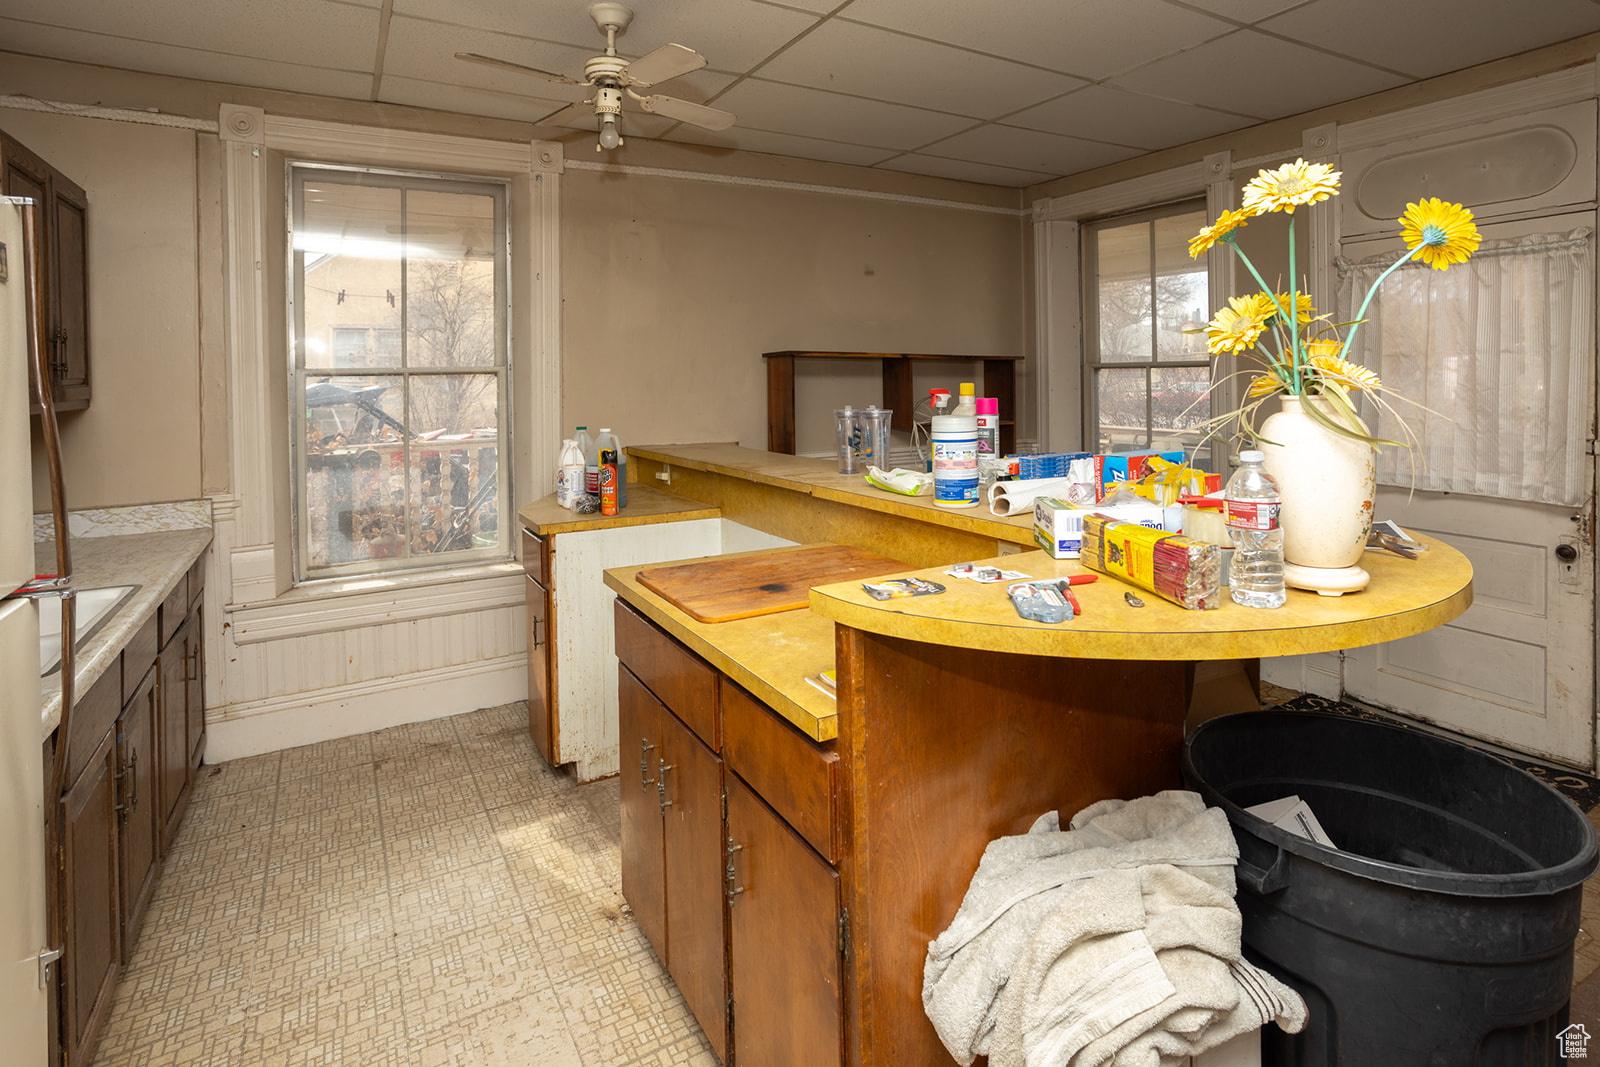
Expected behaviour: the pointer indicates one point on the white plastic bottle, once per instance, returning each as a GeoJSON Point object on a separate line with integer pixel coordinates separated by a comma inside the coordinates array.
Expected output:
{"type": "Point", "coordinates": [1251, 505]}
{"type": "Point", "coordinates": [967, 407]}
{"type": "Point", "coordinates": [606, 440]}
{"type": "Point", "coordinates": [591, 461]}
{"type": "Point", "coordinates": [955, 461]}
{"type": "Point", "coordinates": [570, 484]}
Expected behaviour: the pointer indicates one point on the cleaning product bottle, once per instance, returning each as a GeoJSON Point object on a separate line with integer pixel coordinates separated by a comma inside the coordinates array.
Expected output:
{"type": "Point", "coordinates": [988, 427]}
{"type": "Point", "coordinates": [608, 440]}
{"type": "Point", "coordinates": [569, 484]}
{"type": "Point", "coordinates": [591, 460]}
{"type": "Point", "coordinates": [608, 481]}
{"type": "Point", "coordinates": [967, 408]}
{"type": "Point", "coordinates": [955, 460]}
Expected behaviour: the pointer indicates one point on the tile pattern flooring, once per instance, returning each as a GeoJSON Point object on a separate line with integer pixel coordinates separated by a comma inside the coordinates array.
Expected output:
{"type": "Point", "coordinates": [426, 895]}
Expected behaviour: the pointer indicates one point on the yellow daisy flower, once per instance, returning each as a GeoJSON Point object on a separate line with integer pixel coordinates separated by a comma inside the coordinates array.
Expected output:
{"type": "Point", "coordinates": [1441, 234]}
{"type": "Point", "coordinates": [1322, 348]}
{"type": "Point", "coordinates": [1221, 230]}
{"type": "Point", "coordinates": [1290, 186]}
{"type": "Point", "coordinates": [1238, 325]}
{"type": "Point", "coordinates": [1302, 306]}
{"type": "Point", "coordinates": [1262, 385]}
{"type": "Point", "coordinates": [1343, 372]}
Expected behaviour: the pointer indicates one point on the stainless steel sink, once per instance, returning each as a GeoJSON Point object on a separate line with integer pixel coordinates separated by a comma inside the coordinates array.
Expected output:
{"type": "Point", "coordinates": [95, 606]}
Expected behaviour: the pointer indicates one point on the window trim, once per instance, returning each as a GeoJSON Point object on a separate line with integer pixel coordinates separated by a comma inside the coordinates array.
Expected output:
{"type": "Point", "coordinates": [298, 374]}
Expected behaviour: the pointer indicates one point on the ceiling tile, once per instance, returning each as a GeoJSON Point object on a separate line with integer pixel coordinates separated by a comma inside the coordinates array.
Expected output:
{"type": "Point", "coordinates": [1090, 38]}
{"type": "Point", "coordinates": [1256, 75]}
{"type": "Point", "coordinates": [733, 35]}
{"type": "Point", "coordinates": [1046, 153]}
{"type": "Point", "coordinates": [962, 171]}
{"type": "Point", "coordinates": [1428, 37]}
{"type": "Point", "coordinates": [1101, 113]}
{"type": "Point", "coordinates": [426, 50]}
{"type": "Point", "coordinates": [864, 61]}
{"type": "Point", "coordinates": [313, 33]}
{"type": "Point", "coordinates": [764, 105]}
{"type": "Point", "coordinates": [80, 47]}
{"type": "Point", "coordinates": [1245, 10]}
{"type": "Point", "coordinates": [779, 144]}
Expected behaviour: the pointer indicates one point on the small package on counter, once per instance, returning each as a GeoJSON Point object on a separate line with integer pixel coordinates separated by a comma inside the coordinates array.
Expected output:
{"type": "Point", "coordinates": [1180, 569]}
{"type": "Point", "coordinates": [1058, 524]}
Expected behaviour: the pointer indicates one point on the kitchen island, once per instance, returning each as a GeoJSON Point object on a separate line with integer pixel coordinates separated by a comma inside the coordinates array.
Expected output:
{"type": "Point", "coordinates": [849, 838]}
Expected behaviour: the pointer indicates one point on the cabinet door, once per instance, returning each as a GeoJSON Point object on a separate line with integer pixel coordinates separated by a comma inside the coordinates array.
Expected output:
{"type": "Point", "coordinates": [91, 906]}
{"type": "Point", "coordinates": [69, 300]}
{"type": "Point", "coordinates": [173, 733]}
{"type": "Point", "coordinates": [24, 174]}
{"type": "Point", "coordinates": [541, 669]}
{"type": "Point", "coordinates": [642, 721]}
{"type": "Point", "coordinates": [195, 685]}
{"type": "Point", "coordinates": [138, 778]}
{"type": "Point", "coordinates": [691, 779]}
{"type": "Point", "coordinates": [783, 941]}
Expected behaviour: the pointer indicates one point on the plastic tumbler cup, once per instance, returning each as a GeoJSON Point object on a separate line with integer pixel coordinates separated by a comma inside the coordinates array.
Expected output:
{"type": "Point", "coordinates": [874, 448]}
{"type": "Point", "coordinates": [849, 439]}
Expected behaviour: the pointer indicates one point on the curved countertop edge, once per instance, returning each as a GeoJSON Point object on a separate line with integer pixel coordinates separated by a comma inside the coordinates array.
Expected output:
{"type": "Point", "coordinates": [153, 561]}
{"type": "Point", "coordinates": [820, 478]}
{"type": "Point", "coordinates": [971, 615]}
{"type": "Point", "coordinates": [768, 655]}
{"type": "Point", "coordinates": [647, 505]}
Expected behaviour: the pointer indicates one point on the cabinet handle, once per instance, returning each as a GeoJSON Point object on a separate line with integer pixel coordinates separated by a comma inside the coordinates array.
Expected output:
{"type": "Point", "coordinates": [193, 672]}
{"type": "Point", "coordinates": [120, 778]}
{"type": "Point", "coordinates": [133, 774]}
{"type": "Point", "coordinates": [733, 889]}
{"type": "Point", "coordinates": [662, 767]}
{"type": "Point", "coordinates": [536, 622]}
{"type": "Point", "coordinates": [58, 361]}
{"type": "Point", "coordinates": [644, 765]}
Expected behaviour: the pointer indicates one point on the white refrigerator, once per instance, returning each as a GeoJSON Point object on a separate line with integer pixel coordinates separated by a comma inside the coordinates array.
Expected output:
{"type": "Point", "coordinates": [23, 936]}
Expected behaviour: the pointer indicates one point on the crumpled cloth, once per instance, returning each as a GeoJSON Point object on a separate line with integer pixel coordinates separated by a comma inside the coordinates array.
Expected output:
{"type": "Point", "coordinates": [1116, 941]}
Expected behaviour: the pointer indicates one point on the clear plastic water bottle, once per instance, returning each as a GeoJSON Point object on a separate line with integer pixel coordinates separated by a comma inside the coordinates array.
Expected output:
{"type": "Point", "coordinates": [1256, 576]}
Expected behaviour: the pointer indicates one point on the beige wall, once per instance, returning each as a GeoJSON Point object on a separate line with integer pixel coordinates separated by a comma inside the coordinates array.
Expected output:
{"type": "Point", "coordinates": [139, 441]}
{"type": "Point", "coordinates": [674, 288]}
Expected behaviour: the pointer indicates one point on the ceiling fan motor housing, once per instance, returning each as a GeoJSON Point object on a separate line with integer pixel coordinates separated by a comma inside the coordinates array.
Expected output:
{"type": "Point", "coordinates": [607, 100]}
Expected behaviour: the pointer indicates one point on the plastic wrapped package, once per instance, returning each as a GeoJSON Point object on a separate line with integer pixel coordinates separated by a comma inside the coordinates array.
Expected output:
{"type": "Point", "coordinates": [1177, 568]}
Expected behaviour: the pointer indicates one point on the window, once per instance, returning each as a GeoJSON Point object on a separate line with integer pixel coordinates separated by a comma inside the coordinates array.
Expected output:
{"type": "Point", "coordinates": [400, 392]}
{"type": "Point", "coordinates": [1145, 377]}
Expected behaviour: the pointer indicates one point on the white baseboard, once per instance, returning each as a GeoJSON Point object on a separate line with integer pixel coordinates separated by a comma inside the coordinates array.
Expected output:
{"type": "Point", "coordinates": [322, 715]}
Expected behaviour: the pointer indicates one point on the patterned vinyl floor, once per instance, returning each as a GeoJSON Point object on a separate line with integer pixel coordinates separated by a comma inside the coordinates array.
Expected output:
{"type": "Point", "coordinates": [427, 895]}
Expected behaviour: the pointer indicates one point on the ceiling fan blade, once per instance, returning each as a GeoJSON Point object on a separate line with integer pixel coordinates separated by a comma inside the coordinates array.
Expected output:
{"type": "Point", "coordinates": [564, 88]}
{"type": "Point", "coordinates": [580, 115]}
{"type": "Point", "coordinates": [668, 61]}
{"type": "Point", "coordinates": [671, 107]}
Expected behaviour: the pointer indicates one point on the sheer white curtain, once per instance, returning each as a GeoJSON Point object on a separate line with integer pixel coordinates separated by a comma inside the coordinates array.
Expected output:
{"type": "Point", "coordinates": [1500, 349]}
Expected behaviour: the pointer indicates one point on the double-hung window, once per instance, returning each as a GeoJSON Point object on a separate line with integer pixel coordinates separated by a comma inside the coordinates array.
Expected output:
{"type": "Point", "coordinates": [1145, 375]}
{"type": "Point", "coordinates": [400, 419]}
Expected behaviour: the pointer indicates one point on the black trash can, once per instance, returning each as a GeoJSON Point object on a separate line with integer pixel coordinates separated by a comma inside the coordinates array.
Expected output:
{"type": "Point", "coordinates": [1440, 932]}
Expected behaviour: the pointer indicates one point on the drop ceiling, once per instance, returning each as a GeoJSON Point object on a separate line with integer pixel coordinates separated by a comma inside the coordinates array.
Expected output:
{"type": "Point", "coordinates": [1003, 92]}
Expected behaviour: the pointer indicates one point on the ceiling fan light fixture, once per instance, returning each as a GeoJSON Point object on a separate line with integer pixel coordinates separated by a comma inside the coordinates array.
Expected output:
{"type": "Point", "coordinates": [610, 136]}
{"type": "Point", "coordinates": [608, 105]}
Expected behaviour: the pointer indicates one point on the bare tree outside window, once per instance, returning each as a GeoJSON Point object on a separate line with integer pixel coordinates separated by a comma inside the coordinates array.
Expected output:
{"type": "Point", "coordinates": [400, 371]}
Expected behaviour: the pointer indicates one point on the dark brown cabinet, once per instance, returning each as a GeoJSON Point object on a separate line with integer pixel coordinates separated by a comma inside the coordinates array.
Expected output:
{"type": "Point", "coordinates": [784, 940]}
{"type": "Point", "coordinates": [195, 678]}
{"type": "Point", "coordinates": [541, 667]}
{"type": "Point", "coordinates": [91, 905]}
{"type": "Point", "coordinates": [63, 208]}
{"type": "Point", "coordinates": [140, 835]}
{"type": "Point", "coordinates": [672, 824]}
{"type": "Point", "coordinates": [173, 720]}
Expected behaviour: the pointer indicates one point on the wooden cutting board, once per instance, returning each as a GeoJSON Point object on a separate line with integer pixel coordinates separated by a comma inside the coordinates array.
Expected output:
{"type": "Point", "coordinates": [745, 586]}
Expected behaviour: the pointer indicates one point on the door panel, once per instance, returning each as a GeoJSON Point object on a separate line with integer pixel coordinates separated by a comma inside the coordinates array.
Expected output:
{"type": "Point", "coordinates": [89, 965]}
{"type": "Point", "coordinates": [691, 778]}
{"type": "Point", "coordinates": [784, 942]}
{"type": "Point", "coordinates": [23, 1005]}
{"type": "Point", "coordinates": [541, 704]}
{"type": "Point", "coordinates": [172, 724]}
{"type": "Point", "coordinates": [138, 800]}
{"type": "Point", "coordinates": [642, 722]}
{"type": "Point", "coordinates": [1518, 667]}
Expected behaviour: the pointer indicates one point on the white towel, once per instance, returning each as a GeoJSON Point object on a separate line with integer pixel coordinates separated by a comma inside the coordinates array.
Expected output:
{"type": "Point", "coordinates": [1118, 937]}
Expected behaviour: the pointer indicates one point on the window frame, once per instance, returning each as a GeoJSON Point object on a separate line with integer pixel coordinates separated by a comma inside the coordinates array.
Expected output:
{"type": "Point", "coordinates": [296, 173]}
{"type": "Point", "coordinates": [1091, 361]}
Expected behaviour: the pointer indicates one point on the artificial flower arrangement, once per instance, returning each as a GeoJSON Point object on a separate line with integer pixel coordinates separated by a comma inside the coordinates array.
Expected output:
{"type": "Point", "coordinates": [1306, 354]}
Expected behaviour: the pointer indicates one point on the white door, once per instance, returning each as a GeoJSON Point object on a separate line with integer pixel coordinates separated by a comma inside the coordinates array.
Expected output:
{"type": "Point", "coordinates": [1518, 667]}
{"type": "Point", "coordinates": [22, 874]}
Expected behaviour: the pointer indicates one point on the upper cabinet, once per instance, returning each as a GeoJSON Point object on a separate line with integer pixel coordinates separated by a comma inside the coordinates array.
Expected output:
{"type": "Point", "coordinates": [66, 267]}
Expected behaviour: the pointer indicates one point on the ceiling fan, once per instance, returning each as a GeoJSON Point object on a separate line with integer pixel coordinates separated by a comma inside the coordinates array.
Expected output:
{"type": "Point", "coordinates": [608, 77]}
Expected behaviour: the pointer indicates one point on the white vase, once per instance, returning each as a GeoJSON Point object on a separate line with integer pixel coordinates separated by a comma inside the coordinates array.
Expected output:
{"type": "Point", "coordinates": [1326, 482]}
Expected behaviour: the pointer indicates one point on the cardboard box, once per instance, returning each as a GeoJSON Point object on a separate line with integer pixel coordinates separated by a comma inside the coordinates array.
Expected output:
{"type": "Point", "coordinates": [1058, 524]}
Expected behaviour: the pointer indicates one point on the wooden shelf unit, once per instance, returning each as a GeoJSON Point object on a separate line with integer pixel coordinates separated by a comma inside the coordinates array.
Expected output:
{"type": "Point", "coordinates": [999, 381]}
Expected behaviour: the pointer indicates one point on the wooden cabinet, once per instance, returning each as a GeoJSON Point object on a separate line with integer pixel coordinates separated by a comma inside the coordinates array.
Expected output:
{"type": "Point", "coordinates": [672, 824]}
{"type": "Point", "coordinates": [195, 682]}
{"type": "Point", "coordinates": [784, 941]}
{"type": "Point", "coordinates": [139, 835]}
{"type": "Point", "coordinates": [91, 906]}
{"type": "Point", "coordinates": [173, 721]}
{"type": "Point", "coordinates": [63, 216]}
{"type": "Point", "coordinates": [541, 668]}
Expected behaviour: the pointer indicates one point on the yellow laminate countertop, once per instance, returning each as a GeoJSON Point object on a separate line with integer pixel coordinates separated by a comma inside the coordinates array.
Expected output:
{"type": "Point", "coordinates": [820, 478]}
{"type": "Point", "coordinates": [1405, 597]}
{"type": "Point", "coordinates": [769, 655]}
{"type": "Point", "coordinates": [647, 505]}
